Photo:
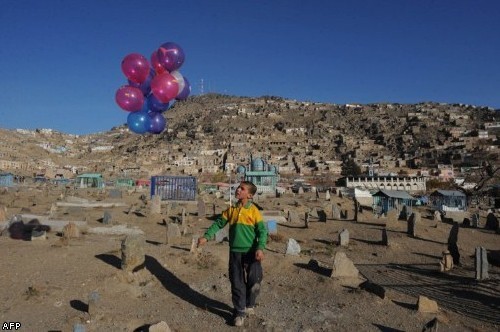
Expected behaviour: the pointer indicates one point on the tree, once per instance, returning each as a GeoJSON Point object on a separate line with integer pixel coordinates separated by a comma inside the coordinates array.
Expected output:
{"type": "Point", "coordinates": [350, 168]}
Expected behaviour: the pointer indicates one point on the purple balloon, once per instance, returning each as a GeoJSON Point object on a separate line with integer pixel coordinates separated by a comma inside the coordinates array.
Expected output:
{"type": "Point", "coordinates": [156, 123]}
{"type": "Point", "coordinates": [135, 67]}
{"type": "Point", "coordinates": [155, 105]}
{"type": "Point", "coordinates": [146, 85]}
{"type": "Point", "coordinates": [182, 95]}
{"type": "Point", "coordinates": [138, 122]}
{"type": "Point", "coordinates": [164, 86]}
{"type": "Point", "coordinates": [170, 56]}
{"type": "Point", "coordinates": [129, 98]}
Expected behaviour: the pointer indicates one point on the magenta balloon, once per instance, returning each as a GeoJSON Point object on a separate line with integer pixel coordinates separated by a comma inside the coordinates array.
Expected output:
{"type": "Point", "coordinates": [156, 123]}
{"type": "Point", "coordinates": [171, 56]}
{"type": "Point", "coordinates": [135, 67]}
{"type": "Point", "coordinates": [182, 95]}
{"type": "Point", "coordinates": [155, 63]}
{"type": "Point", "coordinates": [129, 98]}
{"type": "Point", "coordinates": [164, 86]}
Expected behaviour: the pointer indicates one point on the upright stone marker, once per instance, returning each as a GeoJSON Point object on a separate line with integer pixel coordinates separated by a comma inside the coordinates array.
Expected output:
{"type": "Point", "coordinates": [201, 209]}
{"type": "Point", "coordinates": [411, 226]}
{"type": "Point", "coordinates": [481, 262]}
{"type": "Point", "coordinates": [156, 204]}
{"type": "Point", "coordinates": [453, 243]}
{"type": "Point", "coordinates": [293, 216]}
{"type": "Point", "coordinates": [173, 233]}
{"type": "Point", "coordinates": [344, 238]}
{"type": "Point", "coordinates": [385, 238]}
{"type": "Point", "coordinates": [335, 212]}
{"type": "Point", "coordinates": [306, 220]}
{"type": "Point", "coordinates": [327, 195]}
{"type": "Point", "coordinates": [107, 218]}
{"type": "Point", "coordinates": [292, 248]}
{"type": "Point", "coordinates": [133, 252]}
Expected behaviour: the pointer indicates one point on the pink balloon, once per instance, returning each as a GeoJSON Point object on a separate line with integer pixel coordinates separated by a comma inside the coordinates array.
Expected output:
{"type": "Point", "coordinates": [135, 67]}
{"type": "Point", "coordinates": [164, 87]}
{"type": "Point", "coordinates": [155, 63]}
{"type": "Point", "coordinates": [129, 98]}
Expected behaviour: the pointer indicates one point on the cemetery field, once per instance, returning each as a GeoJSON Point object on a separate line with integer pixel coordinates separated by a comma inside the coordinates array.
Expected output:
{"type": "Point", "coordinates": [77, 278]}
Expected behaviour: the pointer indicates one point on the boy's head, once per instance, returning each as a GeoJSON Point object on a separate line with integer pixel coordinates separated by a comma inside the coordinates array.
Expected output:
{"type": "Point", "coordinates": [245, 191]}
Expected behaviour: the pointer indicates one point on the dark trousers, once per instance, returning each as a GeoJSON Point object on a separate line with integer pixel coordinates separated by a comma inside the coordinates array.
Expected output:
{"type": "Point", "coordinates": [245, 274]}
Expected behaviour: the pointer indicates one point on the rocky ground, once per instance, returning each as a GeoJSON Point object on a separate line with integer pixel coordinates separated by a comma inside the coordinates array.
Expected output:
{"type": "Point", "coordinates": [47, 285]}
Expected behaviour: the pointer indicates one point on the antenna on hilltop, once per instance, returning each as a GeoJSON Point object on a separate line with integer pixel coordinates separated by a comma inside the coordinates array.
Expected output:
{"type": "Point", "coordinates": [202, 87]}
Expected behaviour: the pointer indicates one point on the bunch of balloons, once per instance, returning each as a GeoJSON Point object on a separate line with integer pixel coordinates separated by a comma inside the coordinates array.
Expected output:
{"type": "Point", "coordinates": [152, 87]}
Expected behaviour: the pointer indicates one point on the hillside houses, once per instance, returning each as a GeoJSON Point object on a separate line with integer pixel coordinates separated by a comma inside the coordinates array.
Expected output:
{"type": "Point", "coordinates": [210, 134]}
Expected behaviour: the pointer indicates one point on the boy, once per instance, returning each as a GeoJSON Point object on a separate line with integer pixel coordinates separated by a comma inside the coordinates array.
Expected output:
{"type": "Point", "coordinates": [247, 241]}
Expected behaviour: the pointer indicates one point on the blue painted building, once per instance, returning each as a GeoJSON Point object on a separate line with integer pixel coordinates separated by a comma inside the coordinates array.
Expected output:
{"type": "Point", "coordinates": [6, 179]}
{"type": "Point", "coordinates": [260, 173]}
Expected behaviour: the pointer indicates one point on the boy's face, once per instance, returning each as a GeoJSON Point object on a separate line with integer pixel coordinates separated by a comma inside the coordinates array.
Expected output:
{"type": "Point", "coordinates": [243, 193]}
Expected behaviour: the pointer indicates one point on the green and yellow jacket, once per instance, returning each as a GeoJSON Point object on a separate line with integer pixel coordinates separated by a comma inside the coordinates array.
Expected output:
{"type": "Point", "coordinates": [247, 231]}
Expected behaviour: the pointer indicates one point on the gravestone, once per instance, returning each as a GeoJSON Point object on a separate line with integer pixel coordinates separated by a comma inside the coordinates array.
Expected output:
{"type": "Point", "coordinates": [446, 263]}
{"type": "Point", "coordinates": [344, 238]}
{"type": "Point", "coordinates": [133, 256]}
{"type": "Point", "coordinates": [481, 263]}
{"type": "Point", "coordinates": [184, 221]}
{"type": "Point", "coordinates": [301, 191]}
{"type": "Point", "coordinates": [411, 226]}
{"type": "Point", "coordinates": [437, 215]}
{"type": "Point", "coordinates": [213, 210]}
{"type": "Point", "coordinates": [201, 209]}
{"type": "Point", "coordinates": [452, 243]}
{"type": "Point", "coordinates": [322, 215]}
{"type": "Point", "coordinates": [335, 212]}
{"type": "Point", "coordinates": [70, 231]}
{"type": "Point", "coordinates": [292, 247]}
{"type": "Point", "coordinates": [343, 267]}
{"type": "Point", "coordinates": [491, 222]}
{"type": "Point", "coordinates": [385, 238]}
{"type": "Point", "coordinates": [313, 213]}
{"type": "Point", "coordinates": [306, 220]}
{"type": "Point", "coordinates": [94, 303]}
{"type": "Point", "coordinates": [403, 215]}
{"type": "Point", "coordinates": [115, 193]}
{"type": "Point", "coordinates": [327, 195]}
{"type": "Point", "coordinates": [293, 216]}
{"type": "Point", "coordinates": [194, 245]}
{"type": "Point", "coordinates": [107, 218]}
{"type": "Point", "coordinates": [174, 235]}
{"type": "Point", "coordinates": [156, 204]}
{"type": "Point", "coordinates": [392, 217]}
{"type": "Point", "coordinates": [475, 220]}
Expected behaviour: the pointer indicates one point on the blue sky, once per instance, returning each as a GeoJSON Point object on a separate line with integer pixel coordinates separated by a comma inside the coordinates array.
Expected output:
{"type": "Point", "coordinates": [60, 59]}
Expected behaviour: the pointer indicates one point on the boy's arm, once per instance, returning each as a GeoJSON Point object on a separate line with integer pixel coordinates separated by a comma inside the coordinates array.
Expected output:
{"type": "Point", "coordinates": [261, 232]}
{"type": "Point", "coordinates": [218, 224]}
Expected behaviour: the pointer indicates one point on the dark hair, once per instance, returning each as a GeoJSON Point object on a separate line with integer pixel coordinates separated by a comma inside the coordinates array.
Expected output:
{"type": "Point", "coordinates": [251, 187]}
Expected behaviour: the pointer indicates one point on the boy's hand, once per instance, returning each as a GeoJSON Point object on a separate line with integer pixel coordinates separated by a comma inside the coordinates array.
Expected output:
{"type": "Point", "coordinates": [259, 255]}
{"type": "Point", "coordinates": [201, 241]}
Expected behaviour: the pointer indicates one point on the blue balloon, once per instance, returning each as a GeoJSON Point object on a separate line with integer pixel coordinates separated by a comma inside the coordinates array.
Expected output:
{"type": "Point", "coordinates": [156, 123]}
{"type": "Point", "coordinates": [138, 122]}
{"type": "Point", "coordinates": [155, 105]}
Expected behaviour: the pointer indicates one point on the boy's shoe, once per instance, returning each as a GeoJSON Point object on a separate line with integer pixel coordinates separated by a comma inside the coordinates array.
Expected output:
{"type": "Point", "coordinates": [250, 311]}
{"type": "Point", "coordinates": [238, 321]}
